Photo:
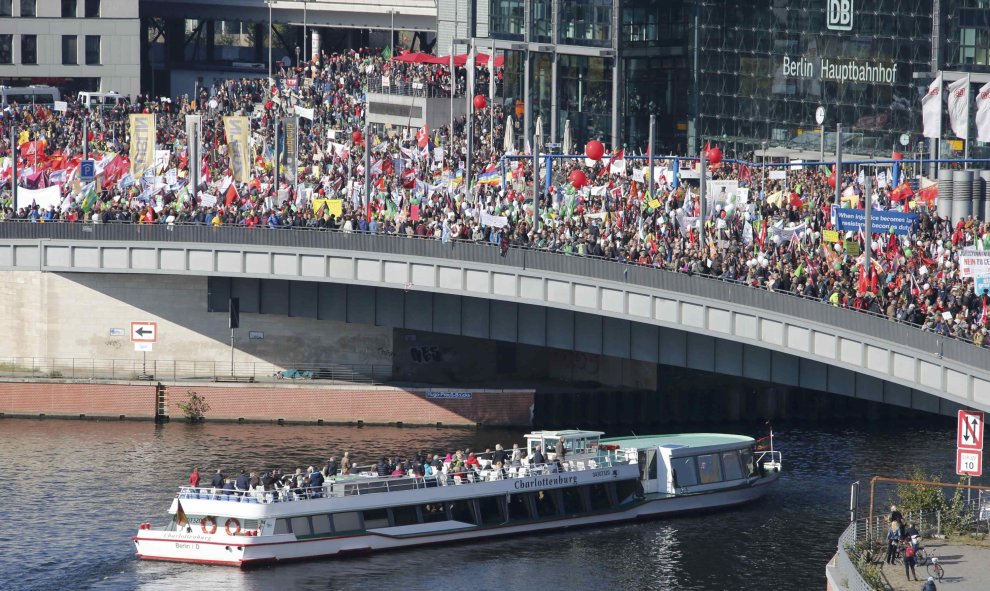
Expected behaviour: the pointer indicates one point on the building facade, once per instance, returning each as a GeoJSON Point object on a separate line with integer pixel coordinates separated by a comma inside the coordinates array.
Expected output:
{"type": "Point", "coordinates": [75, 45]}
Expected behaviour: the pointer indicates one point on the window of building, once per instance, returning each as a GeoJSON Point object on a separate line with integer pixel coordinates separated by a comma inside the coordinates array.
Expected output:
{"type": "Point", "coordinates": [29, 7]}
{"type": "Point", "coordinates": [29, 49]}
{"type": "Point", "coordinates": [6, 49]}
{"type": "Point", "coordinates": [69, 50]}
{"type": "Point", "coordinates": [92, 8]}
{"type": "Point", "coordinates": [709, 468]}
{"type": "Point", "coordinates": [684, 473]}
{"type": "Point", "coordinates": [6, 7]}
{"type": "Point", "coordinates": [69, 8]}
{"type": "Point", "coordinates": [92, 50]}
{"type": "Point", "coordinates": [586, 23]}
{"type": "Point", "coordinates": [507, 18]}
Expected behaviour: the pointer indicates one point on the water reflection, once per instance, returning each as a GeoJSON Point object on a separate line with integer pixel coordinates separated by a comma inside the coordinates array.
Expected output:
{"type": "Point", "coordinates": [78, 490]}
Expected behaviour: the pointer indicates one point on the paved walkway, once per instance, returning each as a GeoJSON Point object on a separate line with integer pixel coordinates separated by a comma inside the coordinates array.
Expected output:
{"type": "Point", "coordinates": [967, 568]}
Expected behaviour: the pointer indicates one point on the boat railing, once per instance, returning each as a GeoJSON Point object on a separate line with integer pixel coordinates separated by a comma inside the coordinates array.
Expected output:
{"type": "Point", "coordinates": [369, 484]}
{"type": "Point", "coordinates": [769, 459]}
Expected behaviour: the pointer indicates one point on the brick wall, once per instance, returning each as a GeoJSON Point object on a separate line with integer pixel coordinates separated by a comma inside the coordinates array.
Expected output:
{"type": "Point", "coordinates": [263, 403]}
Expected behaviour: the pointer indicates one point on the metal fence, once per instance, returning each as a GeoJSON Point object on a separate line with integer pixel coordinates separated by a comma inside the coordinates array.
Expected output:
{"type": "Point", "coordinates": [848, 574]}
{"type": "Point", "coordinates": [814, 310]}
{"type": "Point", "coordinates": [181, 371]}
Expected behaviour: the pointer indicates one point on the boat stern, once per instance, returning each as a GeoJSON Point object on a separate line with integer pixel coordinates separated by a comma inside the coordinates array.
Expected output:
{"type": "Point", "coordinates": [190, 546]}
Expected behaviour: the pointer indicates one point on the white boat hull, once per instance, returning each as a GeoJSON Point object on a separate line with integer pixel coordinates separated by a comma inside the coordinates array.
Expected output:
{"type": "Point", "coordinates": [244, 551]}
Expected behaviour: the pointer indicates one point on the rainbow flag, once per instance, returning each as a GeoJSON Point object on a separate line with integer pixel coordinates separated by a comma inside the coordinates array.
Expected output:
{"type": "Point", "coordinates": [491, 177]}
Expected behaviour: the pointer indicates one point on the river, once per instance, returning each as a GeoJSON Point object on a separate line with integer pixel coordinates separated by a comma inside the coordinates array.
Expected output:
{"type": "Point", "coordinates": [76, 491]}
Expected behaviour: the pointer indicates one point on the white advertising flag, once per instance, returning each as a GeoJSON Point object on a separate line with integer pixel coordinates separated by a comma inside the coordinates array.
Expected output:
{"type": "Point", "coordinates": [959, 107]}
{"type": "Point", "coordinates": [983, 113]}
{"type": "Point", "coordinates": [931, 110]}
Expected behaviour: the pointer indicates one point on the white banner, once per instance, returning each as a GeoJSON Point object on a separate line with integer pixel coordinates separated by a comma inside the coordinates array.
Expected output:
{"type": "Point", "coordinates": [959, 107]}
{"type": "Point", "coordinates": [495, 221]}
{"type": "Point", "coordinates": [44, 198]}
{"type": "Point", "coordinates": [931, 110]}
{"type": "Point", "coordinates": [304, 112]}
{"type": "Point", "coordinates": [983, 113]}
{"type": "Point", "coordinates": [972, 263]}
{"type": "Point", "coordinates": [777, 175]}
{"type": "Point", "coordinates": [207, 200]}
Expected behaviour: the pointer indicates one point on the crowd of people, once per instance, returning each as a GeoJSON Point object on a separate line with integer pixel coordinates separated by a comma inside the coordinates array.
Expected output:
{"type": "Point", "coordinates": [776, 234]}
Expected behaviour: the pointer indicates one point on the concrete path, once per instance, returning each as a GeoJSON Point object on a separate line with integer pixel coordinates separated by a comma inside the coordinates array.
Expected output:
{"type": "Point", "coordinates": [967, 568]}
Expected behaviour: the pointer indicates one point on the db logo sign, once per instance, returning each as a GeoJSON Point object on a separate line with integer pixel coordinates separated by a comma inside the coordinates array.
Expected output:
{"type": "Point", "coordinates": [840, 15]}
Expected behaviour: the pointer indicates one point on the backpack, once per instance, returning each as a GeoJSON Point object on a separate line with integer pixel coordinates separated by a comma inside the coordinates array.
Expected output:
{"type": "Point", "coordinates": [909, 551]}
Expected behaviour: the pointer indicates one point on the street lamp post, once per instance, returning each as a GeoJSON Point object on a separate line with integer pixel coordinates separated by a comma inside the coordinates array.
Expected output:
{"type": "Point", "coordinates": [391, 36]}
{"type": "Point", "coordinates": [305, 32]}
{"type": "Point", "coordinates": [270, 40]}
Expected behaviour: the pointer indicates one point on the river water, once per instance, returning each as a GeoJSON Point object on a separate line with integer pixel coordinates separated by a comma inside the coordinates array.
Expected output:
{"type": "Point", "coordinates": [76, 490]}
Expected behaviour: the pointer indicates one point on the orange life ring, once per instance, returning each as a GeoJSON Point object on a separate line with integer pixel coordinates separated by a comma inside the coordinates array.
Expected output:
{"type": "Point", "coordinates": [237, 527]}
{"type": "Point", "coordinates": [213, 525]}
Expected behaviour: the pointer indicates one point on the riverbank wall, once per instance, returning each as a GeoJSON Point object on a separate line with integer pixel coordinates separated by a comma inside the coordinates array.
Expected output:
{"type": "Point", "coordinates": [289, 403]}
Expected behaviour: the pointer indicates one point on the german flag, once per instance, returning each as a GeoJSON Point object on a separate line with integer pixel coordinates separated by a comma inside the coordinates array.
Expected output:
{"type": "Point", "coordinates": [180, 515]}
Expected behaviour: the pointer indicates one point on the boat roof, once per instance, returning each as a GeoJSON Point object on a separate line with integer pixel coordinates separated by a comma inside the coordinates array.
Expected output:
{"type": "Point", "coordinates": [680, 440]}
{"type": "Point", "coordinates": [563, 433]}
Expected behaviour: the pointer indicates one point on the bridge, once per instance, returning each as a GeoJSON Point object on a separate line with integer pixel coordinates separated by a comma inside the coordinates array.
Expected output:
{"type": "Point", "coordinates": [529, 297]}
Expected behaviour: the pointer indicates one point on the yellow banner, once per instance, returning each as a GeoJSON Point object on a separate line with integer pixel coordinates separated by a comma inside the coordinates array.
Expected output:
{"type": "Point", "coordinates": [654, 203]}
{"type": "Point", "coordinates": [236, 128]}
{"type": "Point", "coordinates": [335, 207]}
{"type": "Point", "coordinates": [830, 235]}
{"type": "Point", "coordinates": [142, 144]}
{"type": "Point", "coordinates": [318, 204]}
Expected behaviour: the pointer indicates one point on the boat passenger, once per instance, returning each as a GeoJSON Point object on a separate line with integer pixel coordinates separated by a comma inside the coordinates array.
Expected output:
{"type": "Point", "coordinates": [400, 470]}
{"type": "Point", "coordinates": [315, 484]}
{"type": "Point", "coordinates": [382, 467]}
{"type": "Point", "coordinates": [472, 463]}
{"type": "Point", "coordinates": [516, 453]}
{"type": "Point", "coordinates": [499, 457]}
{"type": "Point", "coordinates": [228, 486]}
{"type": "Point", "coordinates": [331, 468]}
{"type": "Point", "coordinates": [218, 480]}
{"type": "Point", "coordinates": [538, 457]}
{"type": "Point", "coordinates": [560, 450]}
{"type": "Point", "coordinates": [243, 482]}
{"type": "Point", "coordinates": [345, 464]}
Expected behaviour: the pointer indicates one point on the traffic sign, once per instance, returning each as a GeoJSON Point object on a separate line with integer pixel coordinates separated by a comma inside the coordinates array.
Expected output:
{"type": "Point", "coordinates": [969, 462]}
{"type": "Point", "coordinates": [969, 430]}
{"type": "Point", "coordinates": [87, 170]}
{"type": "Point", "coordinates": [144, 332]}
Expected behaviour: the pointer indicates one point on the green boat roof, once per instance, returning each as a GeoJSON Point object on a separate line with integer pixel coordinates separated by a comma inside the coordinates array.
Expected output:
{"type": "Point", "coordinates": [679, 439]}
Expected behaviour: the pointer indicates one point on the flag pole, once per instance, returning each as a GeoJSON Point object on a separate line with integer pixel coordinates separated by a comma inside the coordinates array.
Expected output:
{"type": "Point", "coordinates": [838, 164]}
{"type": "Point", "coordinates": [653, 120]}
{"type": "Point", "coordinates": [966, 146]}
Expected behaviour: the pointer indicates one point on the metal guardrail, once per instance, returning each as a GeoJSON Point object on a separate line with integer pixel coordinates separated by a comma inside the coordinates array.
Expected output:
{"type": "Point", "coordinates": [181, 371]}
{"type": "Point", "coordinates": [815, 310]}
{"type": "Point", "coordinates": [845, 567]}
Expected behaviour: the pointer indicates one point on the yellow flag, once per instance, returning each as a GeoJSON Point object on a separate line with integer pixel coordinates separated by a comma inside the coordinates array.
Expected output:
{"type": "Point", "coordinates": [142, 143]}
{"type": "Point", "coordinates": [335, 207]}
{"type": "Point", "coordinates": [236, 128]}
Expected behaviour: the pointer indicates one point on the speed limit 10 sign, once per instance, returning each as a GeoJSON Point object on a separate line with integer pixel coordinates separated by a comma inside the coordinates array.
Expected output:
{"type": "Point", "coordinates": [969, 462]}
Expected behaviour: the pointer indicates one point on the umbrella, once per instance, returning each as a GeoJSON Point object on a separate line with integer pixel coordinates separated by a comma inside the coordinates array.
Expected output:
{"type": "Point", "coordinates": [568, 142]}
{"type": "Point", "coordinates": [415, 57]}
{"type": "Point", "coordinates": [508, 145]}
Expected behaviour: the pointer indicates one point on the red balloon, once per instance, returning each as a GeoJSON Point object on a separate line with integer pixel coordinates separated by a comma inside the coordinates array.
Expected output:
{"type": "Point", "coordinates": [480, 102]}
{"type": "Point", "coordinates": [577, 178]}
{"type": "Point", "coordinates": [356, 136]}
{"type": "Point", "coordinates": [594, 150]}
{"type": "Point", "coordinates": [897, 156]}
{"type": "Point", "coordinates": [714, 155]}
{"type": "Point", "coordinates": [831, 180]}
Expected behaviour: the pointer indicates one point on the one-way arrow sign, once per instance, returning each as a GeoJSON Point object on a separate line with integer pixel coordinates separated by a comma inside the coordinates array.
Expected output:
{"type": "Point", "coordinates": [969, 434]}
{"type": "Point", "coordinates": [144, 332]}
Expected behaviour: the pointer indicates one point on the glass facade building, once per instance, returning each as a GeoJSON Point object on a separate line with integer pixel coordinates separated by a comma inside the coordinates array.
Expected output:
{"type": "Point", "coordinates": [744, 72]}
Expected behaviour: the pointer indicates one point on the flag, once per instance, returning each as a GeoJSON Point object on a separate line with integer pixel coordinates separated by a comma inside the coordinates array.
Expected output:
{"type": "Point", "coordinates": [236, 130]}
{"type": "Point", "coordinates": [617, 165]}
{"type": "Point", "coordinates": [959, 107]}
{"type": "Point", "coordinates": [231, 194]}
{"type": "Point", "coordinates": [902, 192]}
{"type": "Point", "coordinates": [89, 200]}
{"type": "Point", "coordinates": [423, 136]}
{"type": "Point", "coordinates": [142, 143]}
{"type": "Point", "coordinates": [489, 177]}
{"type": "Point", "coordinates": [180, 515]}
{"type": "Point", "coordinates": [931, 109]}
{"type": "Point", "coordinates": [983, 113]}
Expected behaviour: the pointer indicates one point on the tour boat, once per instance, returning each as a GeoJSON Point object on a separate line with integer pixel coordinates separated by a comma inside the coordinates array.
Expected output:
{"type": "Point", "coordinates": [598, 481]}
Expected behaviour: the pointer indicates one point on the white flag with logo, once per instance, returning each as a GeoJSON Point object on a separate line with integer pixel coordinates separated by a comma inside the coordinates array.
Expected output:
{"type": "Point", "coordinates": [931, 110]}
{"type": "Point", "coordinates": [983, 113]}
{"type": "Point", "coordinates": [959, 107]}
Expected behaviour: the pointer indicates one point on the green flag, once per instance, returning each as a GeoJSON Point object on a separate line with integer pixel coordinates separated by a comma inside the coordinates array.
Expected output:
{"type": "Point", "coordinates": [89, 200]}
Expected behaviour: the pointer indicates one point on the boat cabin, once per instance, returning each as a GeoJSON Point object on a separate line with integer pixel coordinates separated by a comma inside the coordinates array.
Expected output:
{"type": "Point", "coordinates": [578, 444]}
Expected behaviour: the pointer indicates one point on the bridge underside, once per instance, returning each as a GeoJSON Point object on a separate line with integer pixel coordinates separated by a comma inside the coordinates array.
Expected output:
{"type": "Point", "coordinates": [565, 330]}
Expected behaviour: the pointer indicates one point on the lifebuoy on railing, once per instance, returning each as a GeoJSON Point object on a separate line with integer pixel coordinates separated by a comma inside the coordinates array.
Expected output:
{"type": "Point", "coordinates": [235, 523]}
{"type": "Point", "coordinates": [208, 529]}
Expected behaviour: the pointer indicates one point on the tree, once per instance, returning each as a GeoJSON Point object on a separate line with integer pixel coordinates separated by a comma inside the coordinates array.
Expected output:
{"type": "Point", "coordinates": [195, 408]}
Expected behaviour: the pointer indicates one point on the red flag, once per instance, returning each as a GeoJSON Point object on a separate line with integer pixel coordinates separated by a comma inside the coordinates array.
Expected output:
{"type": "Point", "coordinates": [231, 194]}
{"type": "Point", "coordinates": [863, 282]}
{"type": "Point", "coordinates": [409, 178]}
{"type": "Point", "coordinates": [423, 136]}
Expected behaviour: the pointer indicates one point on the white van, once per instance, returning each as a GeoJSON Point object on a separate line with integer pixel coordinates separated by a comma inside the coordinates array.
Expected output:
{"type": "Point", "coordinates": [29, 95]}
{"type": "Point", "coordinates": [101, 100]}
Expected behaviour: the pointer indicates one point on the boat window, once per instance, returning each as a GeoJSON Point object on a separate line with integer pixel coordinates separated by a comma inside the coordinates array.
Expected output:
{"type": "Point", "coordinates": [433, 512]}
{"type": "Point", "coordinates": [349, 521]}
{"type": "Point", "coordinates": [490, 510]}
{"type": "Point", "coordinates": [598, 494]}
{"type": "Point", "coordinates": [546, 503]}
{"type": "Point", "coordinates": [281, 526]}
{"type": "Point", "coordinates": [518, 508]}
{"type": "Point", "coordinates": [572, 501]}
{"type": "Point", "coordinates": [404, 516]}
{"type": "Point", "coordinates": [747, 461]}
{"type": "Point", "coordinates": [709, 468]}
{"type": "Point", "coordinates": [321, 524]}
{"type": "Point", "coordinates": [300, 526]}
{"type": "Point", "coordinates": [461, 511]}
{"type": "Point", "coordinates": [375, 518]}
{"type": "Point", "coordinates": [731, 465]}
{"type": "Point", "coordinates": [628, 490]}
{"type": "Point", "coordinates": [684, 472]}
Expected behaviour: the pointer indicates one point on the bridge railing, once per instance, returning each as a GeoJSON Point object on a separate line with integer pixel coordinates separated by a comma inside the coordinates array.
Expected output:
{"type": "Point", "coordinates": [741, 294]}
